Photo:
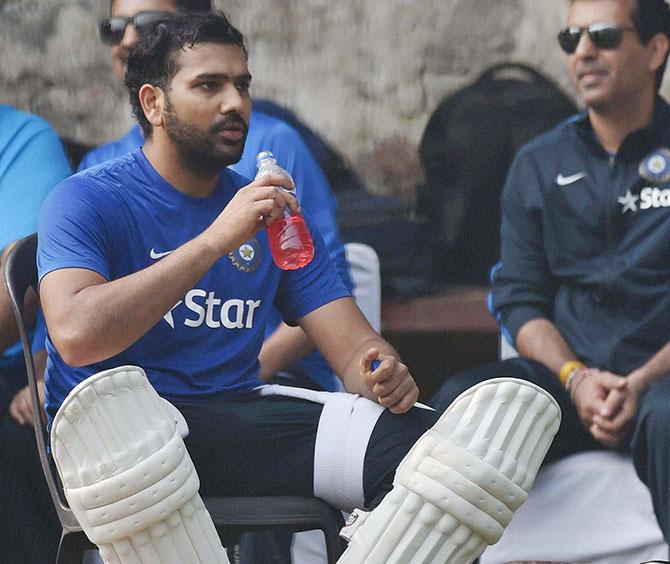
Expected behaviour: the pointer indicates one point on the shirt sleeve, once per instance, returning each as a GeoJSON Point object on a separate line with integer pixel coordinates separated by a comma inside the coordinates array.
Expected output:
{"type": "Point", "coordinates": [305, 289]}
{"type": "Point", "coordinates": [522, 285]}
{"type": "Point", "coordinates": [36, 162]}
{"type": "Point", "coordinates": [72, 232]}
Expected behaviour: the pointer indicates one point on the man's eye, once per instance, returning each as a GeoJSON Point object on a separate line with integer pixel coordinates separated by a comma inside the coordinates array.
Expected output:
{"type": "Point", "coordinates": [243, 86]}
{"type": "Point", "coordinates": [207, 85]}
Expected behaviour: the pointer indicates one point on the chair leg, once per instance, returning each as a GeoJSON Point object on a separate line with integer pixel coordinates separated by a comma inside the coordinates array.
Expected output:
{"type": "Point", "coordinates": [335, 545]}
{"type": "Point", "coordinates": [71, 548]}
{"type": "Point", "coordinates": [234, 554]}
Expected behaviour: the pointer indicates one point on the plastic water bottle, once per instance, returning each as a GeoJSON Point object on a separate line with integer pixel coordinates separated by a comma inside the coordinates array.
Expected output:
{"type": "Point", "coordinates": [291, 244]}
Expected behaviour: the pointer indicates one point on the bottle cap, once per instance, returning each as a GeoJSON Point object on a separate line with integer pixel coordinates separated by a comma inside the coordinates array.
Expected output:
{"type": "Point", "coordinates": [264, 155]}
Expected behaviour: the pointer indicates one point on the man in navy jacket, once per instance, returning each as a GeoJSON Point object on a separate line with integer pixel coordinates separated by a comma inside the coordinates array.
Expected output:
{"type": "Point", "coordinates": [583, 287]}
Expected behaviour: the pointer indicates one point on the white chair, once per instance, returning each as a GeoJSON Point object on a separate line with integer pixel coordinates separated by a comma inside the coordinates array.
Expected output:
{"type": "Point", "coordinates": [589, 508]}
{"type": "Point", "coordinates": [364, 267]}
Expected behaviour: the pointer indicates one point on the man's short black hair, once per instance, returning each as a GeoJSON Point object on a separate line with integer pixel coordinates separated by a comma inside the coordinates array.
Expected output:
{"type": "Point", "coordinates": [153, 59]}
{"type": "Point", "coordinates": [649, 18]}
{"type": "Point", "coordinates": [187, 5]}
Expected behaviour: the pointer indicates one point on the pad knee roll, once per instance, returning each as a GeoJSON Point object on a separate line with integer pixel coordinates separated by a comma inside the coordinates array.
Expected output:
{"type": "Point", "coordinates": [127, 475]}
{"type": "Point", "coordinates": [458, 487]}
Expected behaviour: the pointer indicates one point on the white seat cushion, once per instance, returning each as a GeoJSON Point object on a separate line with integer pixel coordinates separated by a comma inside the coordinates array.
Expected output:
{"type": "Point", "coordinates": [588, 507]}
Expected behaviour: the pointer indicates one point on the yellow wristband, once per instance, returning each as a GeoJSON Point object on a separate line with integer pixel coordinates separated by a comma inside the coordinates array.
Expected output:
{"type": "Point", "coordinates": [568, 368]}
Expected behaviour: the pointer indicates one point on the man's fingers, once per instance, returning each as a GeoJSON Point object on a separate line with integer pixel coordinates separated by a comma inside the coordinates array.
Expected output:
{"type": "Point", "coordinates": [607, 425]}
{"type": "Point", "coordinates": [276, 195]}
{"type": "Point", "coordinates": [389, 377]}
{"type": "Point", "coordinates": [611, 381]}
{"type": "Point", "coordinates": [607, 438]}
{"type": "Point", "coordinates": [15, 413]}
{"type": "Point", "coordinates": [391, 393]}
{"type": "Point", "coordinates": [272, 181]}
{"type": "Point", "coordinates": [367, 360]}
{"type": "Point", "coordinates": [406, 402]}
{"type": "Point", "coordinates": [20, 409]}
{"type": "Point", "coordinates": [613, 403]}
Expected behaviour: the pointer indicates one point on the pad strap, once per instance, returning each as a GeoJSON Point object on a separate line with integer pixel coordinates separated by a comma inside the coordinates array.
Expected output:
{"type": "Point", "coordinates": [345, 428]}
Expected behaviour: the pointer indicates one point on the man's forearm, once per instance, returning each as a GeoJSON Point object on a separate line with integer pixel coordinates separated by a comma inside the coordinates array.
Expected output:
{"type": "Point", "coordinates": [540, 340]}
{"type": "Point", "coordinates": [102, 319]}
{"type": "Point", "coordinates": [284, 346]}
{"type": "Point", "coordinates": [343, 336]}
{"type": "Point", "coordinates": [656, 367]}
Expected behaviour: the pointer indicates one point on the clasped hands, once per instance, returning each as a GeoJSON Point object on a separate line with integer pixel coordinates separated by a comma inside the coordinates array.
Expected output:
{"type": "Point", "coordinates": [607, 404]}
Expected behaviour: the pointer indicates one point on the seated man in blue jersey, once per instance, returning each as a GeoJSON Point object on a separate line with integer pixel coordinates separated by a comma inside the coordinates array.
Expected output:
{"type": "Point", "coordinates": [158, 262]}
{"type": "Point", "coordinates": [286, 354]}
{"type": "Point", "coordinates": [29, 528]}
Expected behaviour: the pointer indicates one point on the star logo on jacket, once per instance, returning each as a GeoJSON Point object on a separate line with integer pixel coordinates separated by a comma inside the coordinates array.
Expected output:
{"type": "Point", "coordinates": [248, 256]}
{"type": "Point", "coordinates": [655, 167]}
{"type": "Point", "coordinates": [629, 202]}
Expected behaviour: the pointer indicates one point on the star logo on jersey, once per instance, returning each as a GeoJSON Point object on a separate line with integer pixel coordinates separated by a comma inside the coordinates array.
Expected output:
{"type": "Point", "coordinates": [655, 167]}
{"type": "Point", "coordinates": [247, 252]}
{"type": "Point", "coordinates": [629, 202]}
{"type": "Point", "coordinates": [247, 258]}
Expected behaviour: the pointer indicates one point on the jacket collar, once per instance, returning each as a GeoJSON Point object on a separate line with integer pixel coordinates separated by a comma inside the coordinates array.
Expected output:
{"type": "Point", "coordinates": [636, 143]}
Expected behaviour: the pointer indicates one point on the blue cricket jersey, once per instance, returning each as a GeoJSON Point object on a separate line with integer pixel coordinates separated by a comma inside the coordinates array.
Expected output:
{"type": "Point", "coordinates": [122, 216]}
{"type": "Point", "coordinates": [270, 133]}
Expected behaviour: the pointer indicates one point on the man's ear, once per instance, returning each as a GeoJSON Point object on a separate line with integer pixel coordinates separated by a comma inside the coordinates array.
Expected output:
{"type": "Point", "coordinates": [152, 101]}
{"type": "Point", "coordinates": [659, 45]}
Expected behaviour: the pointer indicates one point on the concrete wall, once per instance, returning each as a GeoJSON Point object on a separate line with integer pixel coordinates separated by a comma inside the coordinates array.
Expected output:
{"type": "Point", "coordinates": [365, 74]}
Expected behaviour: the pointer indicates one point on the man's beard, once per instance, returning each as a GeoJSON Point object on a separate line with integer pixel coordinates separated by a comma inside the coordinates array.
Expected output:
{"type": "Point", "coordinates": [197, 151]}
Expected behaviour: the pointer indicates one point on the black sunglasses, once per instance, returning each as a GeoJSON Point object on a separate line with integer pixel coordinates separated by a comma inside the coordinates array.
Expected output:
{"type": "Point", "coordinates": [602, 35]}
{"type": "Point", "coordinates": [113, 29]}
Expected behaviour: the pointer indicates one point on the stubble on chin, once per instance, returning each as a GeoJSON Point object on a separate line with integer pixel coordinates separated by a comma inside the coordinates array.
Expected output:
{"type": "Point", "coordinates": [197, 151]}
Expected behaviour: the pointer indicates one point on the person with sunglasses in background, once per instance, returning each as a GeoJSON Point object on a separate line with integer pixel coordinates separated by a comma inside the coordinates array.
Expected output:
{"type": "Point", "coordinates": [583, 287]}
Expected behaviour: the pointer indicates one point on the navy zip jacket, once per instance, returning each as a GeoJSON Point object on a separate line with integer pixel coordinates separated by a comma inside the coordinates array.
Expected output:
{"type": "Point", "coordinates": [586, 242]}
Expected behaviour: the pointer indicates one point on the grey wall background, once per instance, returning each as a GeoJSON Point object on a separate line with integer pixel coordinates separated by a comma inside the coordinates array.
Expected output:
{"type": "Point", "coordinates": [365, 74]}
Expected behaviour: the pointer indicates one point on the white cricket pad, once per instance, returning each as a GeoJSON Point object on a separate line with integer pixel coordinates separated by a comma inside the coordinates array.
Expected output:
{"type": "Point", "coordinates": [456, 490]}
{"type": "Point", "coordinates": [127, 475]}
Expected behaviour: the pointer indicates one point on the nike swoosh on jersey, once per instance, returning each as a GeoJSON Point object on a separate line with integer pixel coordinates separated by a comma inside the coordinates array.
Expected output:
{"type": "Point", "coordinates": [154, 255]}
{"type": "Point", "coordinates": [565, 180]}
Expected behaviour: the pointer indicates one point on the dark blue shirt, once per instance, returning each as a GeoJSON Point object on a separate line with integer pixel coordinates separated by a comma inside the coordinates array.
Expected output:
{"type": "Point", "coordinates": [586, 242]}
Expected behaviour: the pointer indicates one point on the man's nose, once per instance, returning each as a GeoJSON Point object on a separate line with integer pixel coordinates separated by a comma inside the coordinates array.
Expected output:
{"type": "Point", "coordinates": [233, 100]}
{"type": "Point", "coordinates": [585, 47]}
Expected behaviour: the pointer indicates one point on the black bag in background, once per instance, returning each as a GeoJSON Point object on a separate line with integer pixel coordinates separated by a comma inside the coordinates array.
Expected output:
{"type": "Point", "coordinates": [466, 151]}
{"type": "Point", "coordinates": [388, 225]}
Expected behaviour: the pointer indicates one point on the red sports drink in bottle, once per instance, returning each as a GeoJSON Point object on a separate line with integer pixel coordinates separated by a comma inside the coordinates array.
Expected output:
{"type": "Point", "coordinates": [291, 244]}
